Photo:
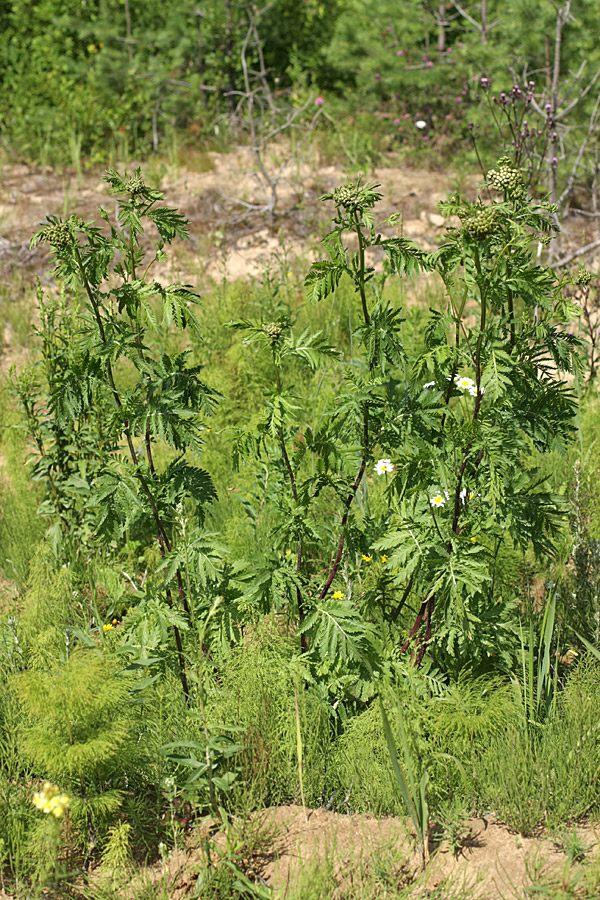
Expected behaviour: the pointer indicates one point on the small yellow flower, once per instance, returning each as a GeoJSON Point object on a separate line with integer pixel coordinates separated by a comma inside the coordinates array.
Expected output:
{"type": "Point", "coordinates": [337, 595]}
{"type": "Point", "coordinates": [367, 557]}
{"type": "Point", "coordinates": [474, 539]}
{"type": "Point", "coordinates": [48, 800]}
{"type": "Point", "coordinates": [384, 558]}
{"type": "Point", "coordinates": [107, 627]}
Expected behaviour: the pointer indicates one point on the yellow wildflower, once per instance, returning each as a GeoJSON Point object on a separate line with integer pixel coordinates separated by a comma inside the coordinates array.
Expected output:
{"type": "Point", "coordinates": [337, 595]}
{"type": "Point", "coordinates": [384, 558]}
{"type": "Point", "coordinates": [367, 557]}
{"type": "Point", "coordinates": [48, 800]}
{"type": "Point", "coordinates": [107, 627]}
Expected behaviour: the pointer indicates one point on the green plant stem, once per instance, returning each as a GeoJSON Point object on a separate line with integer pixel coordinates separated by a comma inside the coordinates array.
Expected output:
{"type": "Point", "coordinates": [360, 279]}
{"type": "Point", "coordinates": [163, 540]}
{"type": "Point", "coordinates": [347, 505]}
{"type": "Point", "coordinates": [294, 489]}
{"type": "Point", "coordinates": [299, 753]}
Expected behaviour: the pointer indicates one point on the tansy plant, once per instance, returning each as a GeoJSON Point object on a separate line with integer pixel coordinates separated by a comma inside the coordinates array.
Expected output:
{"type": "Point", "coordinates": [100, 401]}
{"type": "Point", "coordinates": [427, 459]}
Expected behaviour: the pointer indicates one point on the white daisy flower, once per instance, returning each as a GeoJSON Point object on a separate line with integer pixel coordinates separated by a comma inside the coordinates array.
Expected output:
{"type": "Point", "coordinates": [428, 385]}
{"type": "Point", "coordinates": [420, 124]}
{"type": "Point", "coordinates": [438, 500]}
{"type": "Point", "coordinates": [384, 465]}
{"type": "Point", "coordinates": [465, 384]}
{"type": "Point", "coordinates": [473, 390]}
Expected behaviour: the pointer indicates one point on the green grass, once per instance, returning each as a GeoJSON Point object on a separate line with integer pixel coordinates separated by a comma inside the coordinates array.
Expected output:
{"type": "Point", "coordinates": [21, 529]}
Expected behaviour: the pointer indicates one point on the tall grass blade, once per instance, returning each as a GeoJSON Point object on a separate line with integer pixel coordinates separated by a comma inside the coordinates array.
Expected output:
{"type": "Point", "coordinates": [416, 803]}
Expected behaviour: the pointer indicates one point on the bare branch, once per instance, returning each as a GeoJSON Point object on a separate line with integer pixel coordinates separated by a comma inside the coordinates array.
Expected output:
{"type": "Point", "coordinates": [578, 99]}
{"type": "Point", "coordinates": [591, 130]}
{"type": "Point", "coordinates": [581, 251]}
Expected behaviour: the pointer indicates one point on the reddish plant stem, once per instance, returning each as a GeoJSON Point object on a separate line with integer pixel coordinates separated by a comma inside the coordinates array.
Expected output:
{"type": "Point", "coordinates": [424, 645]}
{"type": "Point", "coordinates": [403, 599]}
{"type": "Point", "coordinates": [415, 627]}
{"type": "Point", "coordinates": [348, 504]}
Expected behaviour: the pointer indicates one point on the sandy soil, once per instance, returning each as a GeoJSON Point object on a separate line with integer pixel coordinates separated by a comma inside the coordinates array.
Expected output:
{"type": "Point", "coordinates": [228, 239]}
{"type": "Point", "coordinates": [491, 861]}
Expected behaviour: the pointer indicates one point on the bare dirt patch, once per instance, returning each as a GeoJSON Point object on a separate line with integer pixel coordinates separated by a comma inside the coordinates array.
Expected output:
{"type": "Point", "coordinates": [490, 863]}
{"type": "Point", "coordinates": [217, 203]}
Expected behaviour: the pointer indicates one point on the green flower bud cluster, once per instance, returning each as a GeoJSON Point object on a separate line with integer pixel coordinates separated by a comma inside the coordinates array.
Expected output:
{"type": "Point", "coordinates": [583, 277]}
{"type": "Point", "coordinates": [545, 239]}
{"type": "Point", "coordinates": [508, 179]}
{"type": "Point", "coordinates": [58, 235]}
{"type": "Point", "coordinates": [355, 197]}
{"type": "Point", "coordinates": [483, 223]}
{"type": "Point", "coordinates": [135, 184]}
{"type": "Point", "coordinates": [274, 330]}
{"type": "Point", "coordinates": [349, 196]}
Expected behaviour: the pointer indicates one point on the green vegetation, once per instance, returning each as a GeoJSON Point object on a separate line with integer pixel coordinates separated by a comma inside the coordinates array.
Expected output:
{"type": "Point", "coordinates": [342, 611]}
{"type": "Point", "coordinates": [330, 537]}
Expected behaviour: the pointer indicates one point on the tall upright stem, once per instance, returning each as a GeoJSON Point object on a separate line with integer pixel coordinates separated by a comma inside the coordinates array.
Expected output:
{"type": "Point", "coordinates": [163, 540]}
{"type": "Point", "coordinates": [294, 489]}
{"type": "Point", "coordinates": [360, 281]}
